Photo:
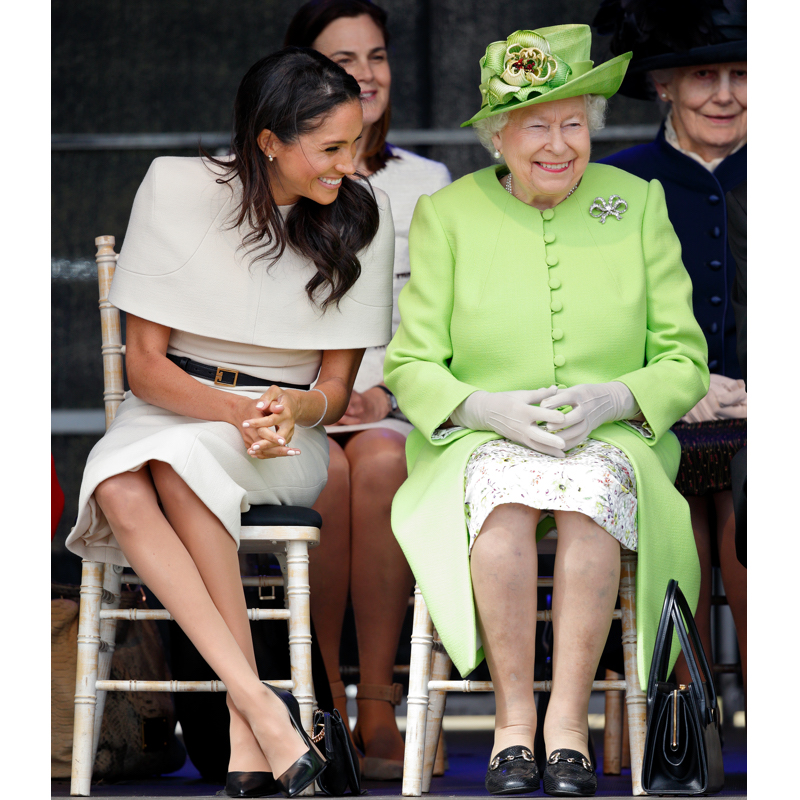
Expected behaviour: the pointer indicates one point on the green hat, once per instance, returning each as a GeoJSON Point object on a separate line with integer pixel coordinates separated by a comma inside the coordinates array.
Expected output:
{"type": "Point", "coordinates": [539, 66]}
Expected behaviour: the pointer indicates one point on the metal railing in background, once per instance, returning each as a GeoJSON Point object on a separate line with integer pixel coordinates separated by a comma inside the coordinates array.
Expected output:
{"type": "Point", "coordinates": [218, 139]}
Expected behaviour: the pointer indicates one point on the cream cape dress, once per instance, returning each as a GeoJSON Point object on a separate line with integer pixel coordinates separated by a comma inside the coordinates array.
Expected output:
{"type": "Point", "coordinates": [182, 266]}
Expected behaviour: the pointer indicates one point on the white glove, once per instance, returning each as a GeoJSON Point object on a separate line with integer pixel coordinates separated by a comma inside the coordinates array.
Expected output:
{"type": "Point", "coordinates": [511, 415]}
{"type": "Point", "coordinates": [592, 405]}
{"type": "Point", "coordinates": [726, 399]}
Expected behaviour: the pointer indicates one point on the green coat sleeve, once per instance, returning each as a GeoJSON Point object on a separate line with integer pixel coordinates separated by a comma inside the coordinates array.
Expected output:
{"type": "Point", "coordinates": [417, 358]}
{"type": "Point", "coordinates": [675, 375]}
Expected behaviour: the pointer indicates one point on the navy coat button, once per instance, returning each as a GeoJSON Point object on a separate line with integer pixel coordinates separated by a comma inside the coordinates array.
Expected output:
{"type": "Point", "coordinates": [714, 327]}
{"type": "Point", "coordinates": [713, 364]}
{"type": "Point", "coordinates": [716, 232]}
{"type": "Point", "coordinates": [713, 199]}
{"type": "Point", "coordinates": [715, 264]}
{"type": "Point", "coordinates": [715, 300]}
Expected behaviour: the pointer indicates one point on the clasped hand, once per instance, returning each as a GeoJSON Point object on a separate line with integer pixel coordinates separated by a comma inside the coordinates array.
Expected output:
{"type": "Point", "coordinates": [515, 416]}
{"type": "Point", "coordinates": [592, 405]}
{"type": "Point", "coordinates": [270, 428]}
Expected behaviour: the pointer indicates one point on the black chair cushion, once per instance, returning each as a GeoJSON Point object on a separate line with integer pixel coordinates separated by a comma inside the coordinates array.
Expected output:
{"type": "Point", "coordinates": [290, 516]}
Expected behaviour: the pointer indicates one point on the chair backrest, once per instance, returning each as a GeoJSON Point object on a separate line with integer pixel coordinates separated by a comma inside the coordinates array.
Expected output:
{"type": "Point", "coordinates": [112, 348]}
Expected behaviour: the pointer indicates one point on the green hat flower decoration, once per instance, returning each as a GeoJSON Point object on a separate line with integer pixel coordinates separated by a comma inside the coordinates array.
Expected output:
{"type": "Point", "coordinates": [542, 65]}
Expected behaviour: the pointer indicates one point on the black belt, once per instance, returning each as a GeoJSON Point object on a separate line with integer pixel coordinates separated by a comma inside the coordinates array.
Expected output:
{"type": "Point", "coordinates": [227, 377]}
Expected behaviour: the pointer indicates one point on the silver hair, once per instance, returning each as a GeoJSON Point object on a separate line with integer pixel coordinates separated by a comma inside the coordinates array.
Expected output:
{"type": "Point", "coordinates": [596, 107]}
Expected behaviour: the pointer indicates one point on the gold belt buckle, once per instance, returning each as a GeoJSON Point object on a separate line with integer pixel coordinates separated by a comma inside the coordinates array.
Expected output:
{"type": "Point", "coordinates": [218, 380]}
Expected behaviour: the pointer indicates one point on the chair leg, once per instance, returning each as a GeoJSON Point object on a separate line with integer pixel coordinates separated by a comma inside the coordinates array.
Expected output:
{"type": "Point", "coordinates": [634, 696]}
{"type": "Point", "coordinates": [419, 675]}
{"type": "Point", "coordinates": [440, 671]}
{"type": "Point", "coordinates": [112, 583]}
{"type": "Point", "coordinates": [298, 598]}
{"type": "Point", "coordinates": [612, 735]}
{"type": "Point", "coordinates": [86, 678]}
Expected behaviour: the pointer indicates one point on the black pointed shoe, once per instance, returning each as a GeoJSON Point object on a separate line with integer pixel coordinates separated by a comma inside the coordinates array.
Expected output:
{"type": "Point", "coordinates": [250, 784]}
{"type": "Point", "coordinates": [569, 774]}
{"type": "Point", "coordinates": [512, 771]}
{"type": "Point", "coordinates": [310, 765]}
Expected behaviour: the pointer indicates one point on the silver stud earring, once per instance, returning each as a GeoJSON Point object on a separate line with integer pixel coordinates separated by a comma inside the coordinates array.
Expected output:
{"type": "Point", "coordinates": [270, 158]}
{"type": "Point", "coordinates": [663, 95]}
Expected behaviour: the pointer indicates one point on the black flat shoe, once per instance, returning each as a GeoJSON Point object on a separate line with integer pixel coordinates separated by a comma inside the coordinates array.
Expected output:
{"type": "Point", "coordinates": [250, 784]}
{"type": "Point", "coordinates": [512, 771]}
{"type": "Point", "coordinates": [310, 765]}
{"type": "Point", "coordinates": [569, 774]}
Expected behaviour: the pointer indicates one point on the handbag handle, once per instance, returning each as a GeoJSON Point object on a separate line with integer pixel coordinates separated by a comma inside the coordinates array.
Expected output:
{"type": "Point", "coordinates": [676, 614]}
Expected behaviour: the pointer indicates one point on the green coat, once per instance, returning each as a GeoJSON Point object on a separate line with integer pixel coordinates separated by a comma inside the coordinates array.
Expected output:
{"type": "Point", "coordinates": [502, 297]}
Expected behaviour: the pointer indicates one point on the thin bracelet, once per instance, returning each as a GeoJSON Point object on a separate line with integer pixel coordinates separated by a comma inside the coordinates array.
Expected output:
{"type": "Point", "coordinates": [325, 411]}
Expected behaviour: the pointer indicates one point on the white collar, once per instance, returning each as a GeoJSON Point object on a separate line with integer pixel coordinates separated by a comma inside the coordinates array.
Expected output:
{"type": "Point", "coordinates": [672, 138]}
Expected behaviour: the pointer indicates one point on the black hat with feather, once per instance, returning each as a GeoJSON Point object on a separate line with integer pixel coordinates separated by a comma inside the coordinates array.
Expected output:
{"type": "Point", "coordinates": [672, 33]}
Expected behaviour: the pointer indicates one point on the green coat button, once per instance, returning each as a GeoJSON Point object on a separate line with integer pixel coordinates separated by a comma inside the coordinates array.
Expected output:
{"type": "Point", "coordinates": [556, 305]}
{"type": "Point", "coordinates": [561, 386]}
{"type": "Point", "coordinates": [551, 260]}
{"type": "Point", "coordinates": [557, 334]}
{"type": "Point", "coordinates": [559, 361]}
{"type": "Point", "coordinates": [548, 213]}
{"type": "Point", "coordinates": [554, 283]}
{"type": "Point", "coordinates": [549, 238]}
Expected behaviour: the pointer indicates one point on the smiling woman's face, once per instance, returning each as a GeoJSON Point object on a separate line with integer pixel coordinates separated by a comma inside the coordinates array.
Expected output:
{"type": "Point", "coordinates": [356, 44]}
{"type": "Point", "coordinates": [709, 107]}
{"type": "Point", "coordinates": [546, 147]}
{"type": "Point", "coordinates": [315, 165]}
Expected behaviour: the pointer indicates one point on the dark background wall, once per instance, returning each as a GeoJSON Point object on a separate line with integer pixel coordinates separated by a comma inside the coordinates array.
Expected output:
{"type": "Point", "coordinates": [169, 66]}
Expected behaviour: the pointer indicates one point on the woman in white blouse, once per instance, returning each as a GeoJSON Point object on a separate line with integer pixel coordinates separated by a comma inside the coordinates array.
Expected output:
{"type": "Point", "coordinates": [358, 553]}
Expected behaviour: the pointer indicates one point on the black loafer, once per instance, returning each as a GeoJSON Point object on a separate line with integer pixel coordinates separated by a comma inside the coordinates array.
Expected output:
{"type": "Point", "coordinates": [512, 771]}
{"type": "Point", "coordinates": [250, 784]}
{"type": "Point", "coordinates": [569, 774]}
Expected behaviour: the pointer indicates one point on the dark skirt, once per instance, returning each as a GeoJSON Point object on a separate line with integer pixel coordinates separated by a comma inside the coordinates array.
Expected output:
{"type": "Point", "coordinates": [706, 452]}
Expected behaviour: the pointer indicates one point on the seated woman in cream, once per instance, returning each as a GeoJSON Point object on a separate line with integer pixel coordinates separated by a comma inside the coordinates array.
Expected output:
{"type": "Point", "coordinates": [544, 284]}
{"type": "Point", "coordinates": [275, 267]}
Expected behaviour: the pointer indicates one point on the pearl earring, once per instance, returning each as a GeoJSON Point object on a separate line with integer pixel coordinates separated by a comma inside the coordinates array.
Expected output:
{"type": "Point", "coordinates": [663, 95]}
{"type": "Point", "coordinates": [497, 154]}
{"type": "Point", "coordinates": [270, 158]}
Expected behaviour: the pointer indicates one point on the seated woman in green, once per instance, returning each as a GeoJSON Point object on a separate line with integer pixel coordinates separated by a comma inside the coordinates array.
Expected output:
{"type": "Point", "coordinates": [544, 283]}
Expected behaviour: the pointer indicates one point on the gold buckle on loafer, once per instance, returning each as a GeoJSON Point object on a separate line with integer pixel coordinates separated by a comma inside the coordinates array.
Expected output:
{"type": "Point", "coordinates": [555, 756]}
{"type": "Point", "coordinates": [525, 755]}
{"type": "Point", "coordinates": [221, 374]}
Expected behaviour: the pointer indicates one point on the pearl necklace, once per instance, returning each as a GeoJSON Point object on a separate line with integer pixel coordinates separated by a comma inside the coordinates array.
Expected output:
{"type": "Point", "coordinates": [509, 181]}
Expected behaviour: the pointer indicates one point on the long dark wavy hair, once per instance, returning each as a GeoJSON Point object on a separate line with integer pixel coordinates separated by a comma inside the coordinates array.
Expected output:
{"type": "Point", "coordinates": [292, 92]}
{"type": "Point", "coordinates": [310, 20]}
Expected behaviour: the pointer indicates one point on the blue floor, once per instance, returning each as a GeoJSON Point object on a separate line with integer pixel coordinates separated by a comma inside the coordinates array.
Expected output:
{"type": "Point", "coordinates": [467, 753]}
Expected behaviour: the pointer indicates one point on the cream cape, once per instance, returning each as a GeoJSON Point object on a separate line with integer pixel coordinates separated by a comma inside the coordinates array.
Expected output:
{"type": "Point", "coordinates": [181, 265]}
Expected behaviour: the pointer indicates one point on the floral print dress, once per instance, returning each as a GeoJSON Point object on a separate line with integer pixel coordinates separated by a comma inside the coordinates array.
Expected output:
{"type": "Point", "coordinates": [595, 479]}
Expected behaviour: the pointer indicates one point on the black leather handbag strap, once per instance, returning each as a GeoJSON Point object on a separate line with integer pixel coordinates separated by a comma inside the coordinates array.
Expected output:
{"type": "Point", "coordinates": [676, 615]}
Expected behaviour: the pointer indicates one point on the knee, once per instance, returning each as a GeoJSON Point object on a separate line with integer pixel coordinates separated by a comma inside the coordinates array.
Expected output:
{"type": "Point", "coordinates": [122, 496]}
{"type": "Point", "coordinates": [338, 469]}
{"type": "Point", "coordinates": [379, 464]}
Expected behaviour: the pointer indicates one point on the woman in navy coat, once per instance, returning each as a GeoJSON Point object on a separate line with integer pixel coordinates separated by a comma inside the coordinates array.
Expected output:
{"type": "Point", "coordinates": [697, 69]}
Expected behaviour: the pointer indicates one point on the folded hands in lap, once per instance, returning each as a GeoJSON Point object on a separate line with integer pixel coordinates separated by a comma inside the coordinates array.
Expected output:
{"type": "Point", "coordinates": [726, 399]}
{"type": "Point", "coordinates": [270, 428]}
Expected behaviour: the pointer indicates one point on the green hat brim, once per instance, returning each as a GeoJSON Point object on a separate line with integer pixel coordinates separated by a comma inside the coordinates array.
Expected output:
{"type": "Point", "coordinates": [605, 80]}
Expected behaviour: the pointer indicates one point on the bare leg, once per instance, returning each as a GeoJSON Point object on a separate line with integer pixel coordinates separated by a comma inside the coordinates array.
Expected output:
{"type": "Point", "coordinates": [698, 507]}
{"type": "Point", "coordinates": [161, 559]}
{"type": "Point", "coordinates": [585, 586]}
{"type": "Point", "coordinates": [504, 566]}
{"type": "Point", "coordinates": [214, 552]}
{"type": "Point", "coordinates": [380, 578]}
{"type": "Point", "coordinates": [330, 565]}
{"type": "Point", "coordinates": [734, 575]}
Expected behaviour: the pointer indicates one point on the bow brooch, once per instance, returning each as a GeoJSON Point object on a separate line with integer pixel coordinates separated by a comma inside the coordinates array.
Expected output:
{"type": "Point", "coordinates": [615, 206]}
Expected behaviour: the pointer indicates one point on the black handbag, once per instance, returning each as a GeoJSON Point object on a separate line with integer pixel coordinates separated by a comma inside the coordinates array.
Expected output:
{"type": "Point", "coordinates": [682, 748]}
{"type": "Point", "coordinates": [331, 736]}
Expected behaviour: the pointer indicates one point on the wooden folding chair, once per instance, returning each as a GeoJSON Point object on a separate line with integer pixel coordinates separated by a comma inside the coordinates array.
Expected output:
{"type": "Point", "coordinates": [430, 672]}
{"type": "Point", "coordinates": [286, 531]}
